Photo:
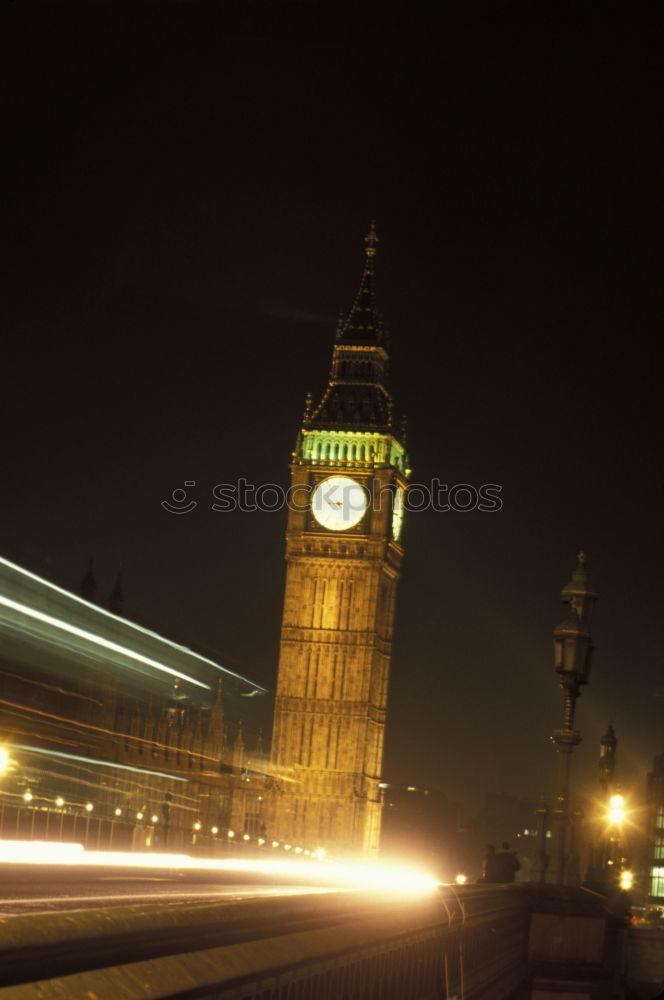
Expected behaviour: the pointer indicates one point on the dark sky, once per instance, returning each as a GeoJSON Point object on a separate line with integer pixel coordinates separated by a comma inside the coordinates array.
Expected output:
{"type": "Point", "coordinates": [186, 217]}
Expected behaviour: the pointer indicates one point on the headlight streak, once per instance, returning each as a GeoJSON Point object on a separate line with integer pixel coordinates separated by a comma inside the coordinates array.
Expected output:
{"type": "Point", "coordinates": [138, 628]}
{"type": "Point", "coordinates": [97, 640]}
{"type": "Point", "coordinates": [100, 729]}
{"type": "Point", "coordinates": [33, 682]}
{"type": "Point", "coordinates": [343, 875]}
{"type": "Point", "coordinates": [99, 763]}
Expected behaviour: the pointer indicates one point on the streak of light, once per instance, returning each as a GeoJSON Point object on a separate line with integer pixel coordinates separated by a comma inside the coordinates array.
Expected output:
{"type": "Point", "coordinates": [100, 729]}
{"type": "Point", "coordinates": [50, 687]}
{"type": "Point", "coordinates": [37, 736]}
{"type": "Point", "coordinates": [346, 875]}
{"type": "Point", "coordinates": [121, 785]}
{"type": "Point", "coordinates": [132, 625]}
{"type": "Point", "coordinates": [99, 763]}
{"type": "Point", "coordinates": [97, 640]}
{"type": "Point", "coordinates": [152, 897]}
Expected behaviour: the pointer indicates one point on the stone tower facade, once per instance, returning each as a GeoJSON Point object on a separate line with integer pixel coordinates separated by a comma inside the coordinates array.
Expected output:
{"type": "Point", "coordinates": [343, 551]}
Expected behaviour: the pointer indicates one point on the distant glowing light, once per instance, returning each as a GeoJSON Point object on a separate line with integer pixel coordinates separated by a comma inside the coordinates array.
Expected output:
{"type": "Point", "coordinates": [616, 809]}
{"type": "Point", "coordinates": [154, 819]}
{"type": "Point", "coordinates": [626, 880]}
{"type": "Point", "coordinates": [118, 811]}
{"type": "Point", "coordinates": [27, 796]}
{"type": "Point", "coordinates": [287, 847]}
{"type": "Point", "coordinates": [461, 879]}
{"type": "Point", "coordinates": [320, 853]}
{"type": "Point", "coordinates": [245, 836]}
{"type": "Point", "coordinates": [197, 825]}
{"type": "Point", "coordinates": [139, 815]}
{"type": "Point", "coordinates": [89, 807]}
{"type": "Point", "coordinates": [59, 802]}
{"type": "Point", "coordinates": [275, 843]}
{"type": "Point", "coordinates": [4, 760]}
{"type": "Point", "coordinates": [341, 876]}
{"type": "Point", "coordinates": [298, 850]}
{"type": "Point", "coordinates": [230, 834]}
{"type": "Point", "coordinates": [261, 841]}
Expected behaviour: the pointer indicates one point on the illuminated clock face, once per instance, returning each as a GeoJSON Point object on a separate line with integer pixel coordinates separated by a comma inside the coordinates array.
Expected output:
{"type": "Point", "coordinates": [339, 503]}
{"type": "Point", "coordinates": [397, 514]}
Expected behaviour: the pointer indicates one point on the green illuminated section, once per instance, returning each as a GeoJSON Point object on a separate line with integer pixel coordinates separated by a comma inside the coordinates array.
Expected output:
{"type": "Point", "coordinates": [355, 449]}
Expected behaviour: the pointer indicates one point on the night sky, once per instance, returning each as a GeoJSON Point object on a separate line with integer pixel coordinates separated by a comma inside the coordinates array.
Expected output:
{"type": "Point", "coordinates": [189, 198]}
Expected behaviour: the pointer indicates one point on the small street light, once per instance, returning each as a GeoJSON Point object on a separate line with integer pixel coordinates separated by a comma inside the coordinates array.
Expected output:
{"type": "Point", "coordinates": [626, 880]}
{"type": "Point", "coordinates": [617, 809]}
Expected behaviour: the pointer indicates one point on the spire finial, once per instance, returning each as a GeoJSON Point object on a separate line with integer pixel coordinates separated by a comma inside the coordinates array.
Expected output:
{"type": "Point", "coordinates": [371, 239]}
{"type": "Point", "coordinates": [581, 556]}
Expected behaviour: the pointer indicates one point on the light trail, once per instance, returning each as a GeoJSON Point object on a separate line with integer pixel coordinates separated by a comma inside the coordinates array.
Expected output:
{"type": "Point", "coordinates": [106, 732]}
{"type": "Point", "coordinates": [343, 875]}
{"type": "Point", "coordinates": [97, 640]}
{"type": "Point", "coordinates": [125, 621]}
{"type": "Point", "coordinates": [164, 895]}
{"type": "Point", "coordinates": [51, 687]}
{"type": "Point", "coordinates": [98, 763]}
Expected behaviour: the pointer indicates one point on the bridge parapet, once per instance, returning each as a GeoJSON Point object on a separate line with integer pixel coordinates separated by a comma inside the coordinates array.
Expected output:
{"type": "Point", "coordinates": [471, 942]}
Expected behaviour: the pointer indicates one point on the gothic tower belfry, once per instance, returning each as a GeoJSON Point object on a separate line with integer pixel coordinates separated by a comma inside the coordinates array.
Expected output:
{"type": "Point", "coordinates": [349, 474]}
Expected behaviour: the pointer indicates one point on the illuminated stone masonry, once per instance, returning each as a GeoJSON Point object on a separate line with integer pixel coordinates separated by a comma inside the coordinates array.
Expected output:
{"type": "Point", "coordinates": [343, 551]}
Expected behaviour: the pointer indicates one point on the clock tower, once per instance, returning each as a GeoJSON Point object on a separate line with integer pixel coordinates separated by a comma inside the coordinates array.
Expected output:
{"type": "Point", "coordinates": [343, 552]}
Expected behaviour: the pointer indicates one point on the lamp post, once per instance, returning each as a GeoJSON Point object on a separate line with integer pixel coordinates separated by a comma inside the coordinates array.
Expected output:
{"type": "Point", "coordinates": [573, 649]}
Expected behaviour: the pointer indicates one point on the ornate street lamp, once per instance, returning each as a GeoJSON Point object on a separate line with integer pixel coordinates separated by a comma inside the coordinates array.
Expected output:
{"type": "Point", "coordinates": [573, 650]}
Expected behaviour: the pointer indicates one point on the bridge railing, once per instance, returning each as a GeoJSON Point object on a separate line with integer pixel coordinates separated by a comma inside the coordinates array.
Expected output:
{"type": "Point", "coordinates": [380, 946]}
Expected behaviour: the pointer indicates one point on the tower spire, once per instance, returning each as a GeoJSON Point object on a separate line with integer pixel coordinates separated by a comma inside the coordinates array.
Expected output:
{"type": "Point", "coordinates": [357, 394]}
{"type": "Point", "coordinates": [363, 324]}
{"type": "Point", "coordinates": [371, 240]}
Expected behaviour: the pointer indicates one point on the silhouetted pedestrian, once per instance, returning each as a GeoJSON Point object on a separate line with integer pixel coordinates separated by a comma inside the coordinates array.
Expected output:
{"type": "Point", "coordinates": [506, 864]}
{"type": "Point", "coordinates": [489, 865]}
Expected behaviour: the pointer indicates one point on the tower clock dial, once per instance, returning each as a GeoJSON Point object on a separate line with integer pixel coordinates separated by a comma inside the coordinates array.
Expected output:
{"type": "Point", "coordinates": [339, 503]}
{"type": "Point", "coordinates": [397, 514]}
